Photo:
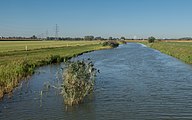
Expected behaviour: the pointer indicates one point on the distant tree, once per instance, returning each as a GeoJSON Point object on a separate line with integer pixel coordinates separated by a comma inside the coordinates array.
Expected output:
{"type": "Point", "coordinates": [151, 39]}
{"type": "Point", "coordinates": [33, 37]}
{"type": "Point", "coordinates": [110, 38]}
{"type": "Point", "coordinates": [98, 38]}
{"type": "Point", "coordinates": [122, 38]}
{"type": "Point", "coordinates": [89, 38]}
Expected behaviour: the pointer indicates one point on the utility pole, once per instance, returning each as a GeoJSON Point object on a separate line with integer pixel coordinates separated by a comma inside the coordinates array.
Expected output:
{"type": "Point", "coordinates": [56, 32]}
{"type": "Point", "coordinates": [47, 33]}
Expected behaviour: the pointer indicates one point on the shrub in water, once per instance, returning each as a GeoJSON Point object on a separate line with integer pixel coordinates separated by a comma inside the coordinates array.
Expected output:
{"type": "Point", "coordinates": [78, 81]}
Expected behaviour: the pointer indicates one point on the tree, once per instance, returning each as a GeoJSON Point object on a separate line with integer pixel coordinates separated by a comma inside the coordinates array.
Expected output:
{"type": "Point", "coordinates": [98, 38]}
{"type": "Point", "coordinates": [89, 38]}
{"type": "Point", "coordinates": [110, 38]}
{"type": "Point", "coordinates": [151, 39]}
{"type": "Point", "coordinates": [33, 37]}
{"type": "Point", "coordinates": [122, 38]}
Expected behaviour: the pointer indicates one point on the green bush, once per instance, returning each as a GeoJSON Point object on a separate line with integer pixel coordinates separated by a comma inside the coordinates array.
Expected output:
{"type": "Point", "coordinates": [151, 39]}
{"type": "Point", "coordinates": [78, 81]}
{"type": "Point", "coordinates": [112, 44]}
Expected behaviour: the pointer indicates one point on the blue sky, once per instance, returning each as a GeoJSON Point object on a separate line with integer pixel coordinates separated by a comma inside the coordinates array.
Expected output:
{"type": "Point", "coordinates": [116, 18]}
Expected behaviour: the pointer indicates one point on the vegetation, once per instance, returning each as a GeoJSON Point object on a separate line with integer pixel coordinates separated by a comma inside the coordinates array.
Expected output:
{"type": "Point", "coordinates": [180, 50]}
{"type": "Point", "coordinates": [78, 81]}
{"type": "Point", "coordinates": [111, 43]}
{"type": "Point", "coordinates": [89, 38]}
{"type": "Point", "coordinates": [16, 64]}
{"type": "Point", "coordinates": [122, 38]}
{"type": "Point", "coordinates": [151, 39]}
{"type": "Point", "coordinates": [123, 42]}
{"type": "Point", "coordinates": [6, 46]}
{"type": "Point", "coordinates": [12, 73]}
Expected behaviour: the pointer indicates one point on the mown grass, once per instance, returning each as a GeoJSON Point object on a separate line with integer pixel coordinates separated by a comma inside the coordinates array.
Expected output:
{"type": "Point", "coordinates": [6, 46]}
{"type": "Point", "coordinates": [17, 64]}
{"type": "Point", "coordinates": [180, 50]}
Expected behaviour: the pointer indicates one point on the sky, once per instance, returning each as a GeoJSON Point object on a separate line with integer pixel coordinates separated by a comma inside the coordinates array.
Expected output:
{"type": "Point", "coordinates": [105, 18]}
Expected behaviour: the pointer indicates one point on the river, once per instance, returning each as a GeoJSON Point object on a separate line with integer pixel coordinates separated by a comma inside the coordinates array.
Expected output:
{"type": "Point", "coordinates": [135, 82]}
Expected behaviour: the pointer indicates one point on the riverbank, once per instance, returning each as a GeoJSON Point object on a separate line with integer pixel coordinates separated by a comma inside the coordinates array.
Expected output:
{"type": "Point", "coordinates": [16, 65]}
{"type": "Point", "coordinates": [180, 50]}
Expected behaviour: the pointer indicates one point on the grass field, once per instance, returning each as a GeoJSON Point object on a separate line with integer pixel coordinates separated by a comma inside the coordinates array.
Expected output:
{"type": "Point", "coordinates": [179, 49]}
{"type": "Point", "coordinates": [6, 46]}
{"type": "Point", "coordinates": [16, 62]}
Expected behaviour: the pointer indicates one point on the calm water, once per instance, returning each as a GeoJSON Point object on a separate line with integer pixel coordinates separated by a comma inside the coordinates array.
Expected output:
{"type": "Point", "coordinates": [135, 82]}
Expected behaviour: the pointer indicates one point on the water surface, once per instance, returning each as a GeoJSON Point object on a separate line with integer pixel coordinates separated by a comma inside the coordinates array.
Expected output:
{"type": "Point", "coordinates": [135, 82]}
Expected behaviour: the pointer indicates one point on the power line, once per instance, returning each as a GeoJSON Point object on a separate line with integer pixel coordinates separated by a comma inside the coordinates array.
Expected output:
{"type": "Point", "coordinates": [56, 32]}
{"type": "Point", "coordinates": [47, 34]}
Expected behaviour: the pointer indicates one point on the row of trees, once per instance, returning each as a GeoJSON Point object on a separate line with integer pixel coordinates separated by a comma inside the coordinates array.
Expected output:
{"type": "Point", "coordinates": [150, 39]}
{"type": "Point", "coordinates": [19, 38]}
{"type": "Point", "coordinates": [87, 38]}
{"type": "Point", "coordinates": [63, 38]}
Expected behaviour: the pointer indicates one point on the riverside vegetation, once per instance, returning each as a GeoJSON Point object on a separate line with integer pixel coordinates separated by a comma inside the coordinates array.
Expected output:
{"type": "Point", "coordinates": [112, 44]}
{"type": "Point", "coordinates": [15, 64]}
{"type": "Point", "coordinates": [180, 50]}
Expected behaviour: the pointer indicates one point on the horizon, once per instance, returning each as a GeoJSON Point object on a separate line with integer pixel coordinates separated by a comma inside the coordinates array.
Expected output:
{"type": "Point", "coordinates": [104, 18]}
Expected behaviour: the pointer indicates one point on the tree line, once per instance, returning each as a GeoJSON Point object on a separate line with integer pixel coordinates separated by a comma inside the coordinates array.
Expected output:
{"type": "Point", "coordinates": [61, 38]}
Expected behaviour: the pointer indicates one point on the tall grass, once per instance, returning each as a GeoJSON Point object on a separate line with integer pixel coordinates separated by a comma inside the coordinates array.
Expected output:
{"type": "Point", "coordinates": [11, 74]}
{"type": "Point", "coordinates": [78, 81]}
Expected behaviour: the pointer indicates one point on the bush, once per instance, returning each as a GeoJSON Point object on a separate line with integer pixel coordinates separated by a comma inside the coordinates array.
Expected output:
{"type": "Point", "coordinates": [112, 44]}
{"type": "Point", "coordinates": [78, 81]}
{"type": "Point", "coordinates": [151, 39]}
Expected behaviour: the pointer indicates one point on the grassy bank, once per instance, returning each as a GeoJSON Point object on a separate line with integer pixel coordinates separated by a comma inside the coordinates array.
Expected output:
{"type": "Point", "coordinates": [17, 64]}
{"type": "Point", "coordinates": [180, 50]}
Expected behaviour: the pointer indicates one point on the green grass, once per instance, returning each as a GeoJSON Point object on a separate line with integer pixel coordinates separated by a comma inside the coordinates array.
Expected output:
{"type": "Point", "coordinates": [180, 50]}
{"type": "Point", "coordinates": [16, 64]}
{"type": "Point", "coordinates": [6, 46]}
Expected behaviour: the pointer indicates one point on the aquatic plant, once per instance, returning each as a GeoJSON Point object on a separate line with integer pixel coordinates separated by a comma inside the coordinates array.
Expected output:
{"type": "Point", "coordinates": [79, 78]}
